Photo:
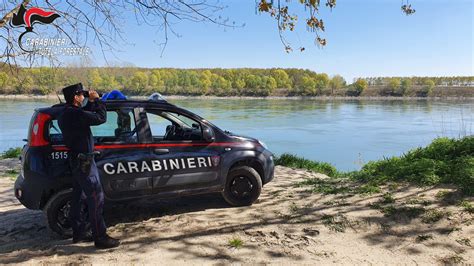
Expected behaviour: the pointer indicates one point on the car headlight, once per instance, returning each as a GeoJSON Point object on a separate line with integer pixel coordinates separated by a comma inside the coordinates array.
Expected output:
{"type": "Point", "coordinates": [263, 144]}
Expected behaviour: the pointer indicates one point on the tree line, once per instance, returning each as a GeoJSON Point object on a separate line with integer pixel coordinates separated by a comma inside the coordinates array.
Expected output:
{"type": "Point", "coordinates": [218, 82]}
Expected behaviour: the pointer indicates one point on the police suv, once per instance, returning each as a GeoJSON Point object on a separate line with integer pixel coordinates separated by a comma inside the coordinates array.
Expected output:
{"type": "Point", "coordinates": [146, 148]}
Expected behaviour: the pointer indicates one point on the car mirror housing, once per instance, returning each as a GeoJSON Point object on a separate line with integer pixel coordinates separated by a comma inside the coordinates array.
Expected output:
{"type": "Point", "coordinates": [208, 134]}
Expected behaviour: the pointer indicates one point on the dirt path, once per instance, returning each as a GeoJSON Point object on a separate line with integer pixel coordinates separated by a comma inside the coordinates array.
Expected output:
{"type": "Point", "coordinates": [288, 224]}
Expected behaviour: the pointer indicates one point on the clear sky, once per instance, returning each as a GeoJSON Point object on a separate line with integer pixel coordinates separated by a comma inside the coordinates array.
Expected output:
{"type": "Point", "coordinates": [365, 38]}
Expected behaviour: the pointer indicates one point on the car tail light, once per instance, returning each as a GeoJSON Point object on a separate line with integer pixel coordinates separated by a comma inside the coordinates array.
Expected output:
{"type": "Point", "coordinates": [37, 130]}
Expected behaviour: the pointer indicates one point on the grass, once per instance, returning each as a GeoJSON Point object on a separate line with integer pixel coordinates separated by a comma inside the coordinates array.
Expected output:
{"type": "Point", "coordinates": [290, 160]}
{"type": "Point", "coordinates": [368, 189]}
{"type": "Point", "coordinates": [12, 174]}
{"type": "Point", "coordinates": [387, 198]}
{"type": "Point", "coordinates": [442, 194]}
{"type": "Point", "coordinates": [422, 238]}
{"type": "Point", "coordinates": [432, 216]}
{"type": "Point", "coordinates": [236, 242]}
{"type": "Point", "coordinates": [11, 153]}
{"type": "Point", "coordinates": [444, 161]}
{"type": "Point", "coordinates": [464, 241]}
{"type": "Point", "coordinates": [337, 223]}
{"type": "Point", "coordinates": [455, 259]}
{"type": "Point", "coordinates": [326, 186]}
{"type": "Point", "coordinates": [467, 206]}
{"type": "Point", "coordinates": [293, 208]}
{"type": "Point", "coordinates": [420, 201]}
{"type": "Point", "coordinates": [409, 212]}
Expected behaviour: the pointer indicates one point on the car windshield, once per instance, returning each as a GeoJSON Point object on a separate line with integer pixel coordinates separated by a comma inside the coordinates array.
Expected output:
{"type": "Point", "coordinates": [180, 119]}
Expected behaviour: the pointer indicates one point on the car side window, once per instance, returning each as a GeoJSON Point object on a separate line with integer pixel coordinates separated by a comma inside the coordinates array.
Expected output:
{"type": "Point", "coordinates": [119, 127]}
{"type": "Point", "coordinates": [55, 134]}
{"type": "Point", "coordinates": [171, 126]}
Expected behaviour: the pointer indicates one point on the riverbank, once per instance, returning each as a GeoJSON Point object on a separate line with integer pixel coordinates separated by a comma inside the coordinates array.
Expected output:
{"type": "Point", "coordinates": [289, 224]}
{"type": "Point", "coordinates": [321, 98]}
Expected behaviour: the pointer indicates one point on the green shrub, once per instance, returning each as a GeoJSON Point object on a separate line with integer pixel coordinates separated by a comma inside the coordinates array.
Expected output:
{"type": "Point", "coordinates": [444, 161]}
{"type": "Point", "coordinates": [236, 242]}
{"type": "Point", "coordinates": [447, 161]}
{"type": "Point", "coordinates": [11, 153]}
{"type": "Point", "coordinates": [290, 160]}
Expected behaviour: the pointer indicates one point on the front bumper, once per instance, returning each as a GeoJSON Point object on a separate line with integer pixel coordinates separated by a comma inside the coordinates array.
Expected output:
{"type": "Point", "coordinates": [269, 167]}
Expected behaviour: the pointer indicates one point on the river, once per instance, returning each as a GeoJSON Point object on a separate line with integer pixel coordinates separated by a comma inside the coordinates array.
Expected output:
{"type": "Point", "coordinates": [346, 133]}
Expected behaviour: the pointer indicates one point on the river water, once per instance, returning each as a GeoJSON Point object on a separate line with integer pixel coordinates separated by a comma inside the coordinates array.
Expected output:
{"type": "Point", "coordinates": [346, 133]}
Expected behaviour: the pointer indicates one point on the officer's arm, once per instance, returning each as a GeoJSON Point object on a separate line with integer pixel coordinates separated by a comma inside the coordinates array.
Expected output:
{"type": "Point", "coordinates": [94, 113]}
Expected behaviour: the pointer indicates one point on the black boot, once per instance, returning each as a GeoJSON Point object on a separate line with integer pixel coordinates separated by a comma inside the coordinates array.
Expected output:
{"type": "Point", "coordinates": [82, 238]}
{"type": "Point", "coordinates": [85, 237]}
{"type": "Point", "coordinates": [105, 242]}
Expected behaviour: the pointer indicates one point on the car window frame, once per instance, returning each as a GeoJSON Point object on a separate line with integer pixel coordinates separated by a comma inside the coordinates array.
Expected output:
{"type": "Point", "coordinates": [150, 133]}
{"type": "Point", "coordinates": [136, 122]}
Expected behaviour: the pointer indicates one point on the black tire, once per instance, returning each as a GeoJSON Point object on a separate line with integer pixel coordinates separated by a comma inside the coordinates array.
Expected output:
{"type": "Point", "coordinates": [57, 213]}
{"type": "Point", "coordinates": [243, 186]}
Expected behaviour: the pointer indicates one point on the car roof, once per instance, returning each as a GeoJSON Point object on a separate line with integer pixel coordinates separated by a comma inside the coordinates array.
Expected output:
{"type": "Point", "coordinates": [159, 104]}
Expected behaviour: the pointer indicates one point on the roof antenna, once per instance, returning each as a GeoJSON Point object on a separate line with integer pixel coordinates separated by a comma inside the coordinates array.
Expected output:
{"type": "Point", "coordinates": [59, 98]}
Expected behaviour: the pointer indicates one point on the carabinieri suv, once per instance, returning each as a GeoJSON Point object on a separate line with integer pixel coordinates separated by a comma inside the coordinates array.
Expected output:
{"type": "Point", "coordinates": [146, 148]}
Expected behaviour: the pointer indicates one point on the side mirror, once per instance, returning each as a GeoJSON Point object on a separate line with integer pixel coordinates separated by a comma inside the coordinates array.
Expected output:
{"type": "Point", "coordinates": [208, 134]}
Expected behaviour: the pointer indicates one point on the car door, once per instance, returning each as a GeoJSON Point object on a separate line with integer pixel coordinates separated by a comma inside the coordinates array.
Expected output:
{"type": "Point", "coordinates": [119, 142]}
{"type": "Point", "coordinates": [185, 162]}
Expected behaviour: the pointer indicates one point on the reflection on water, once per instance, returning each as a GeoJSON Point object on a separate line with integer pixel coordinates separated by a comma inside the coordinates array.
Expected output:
{"type": "Point", "coordinates": [345, 133]}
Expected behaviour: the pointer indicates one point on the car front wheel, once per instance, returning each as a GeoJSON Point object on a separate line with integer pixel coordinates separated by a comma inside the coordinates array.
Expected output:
{"type": "Point", "coordinates": [243, 186]}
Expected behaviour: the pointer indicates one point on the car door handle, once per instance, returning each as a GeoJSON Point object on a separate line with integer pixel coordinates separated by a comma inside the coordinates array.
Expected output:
{"type": "Point", "coordinates": [161, 151]}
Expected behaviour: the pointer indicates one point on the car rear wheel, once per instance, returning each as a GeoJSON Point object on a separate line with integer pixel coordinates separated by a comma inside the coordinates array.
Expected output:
{"type": "Point", "coordinates": [243, 186]}
{"type": "Point", "coordinates": [57, 213]}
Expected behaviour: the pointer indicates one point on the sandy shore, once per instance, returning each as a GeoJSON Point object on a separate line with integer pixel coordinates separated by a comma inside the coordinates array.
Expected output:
{"type": "Point", "coordinates": [288, 225]}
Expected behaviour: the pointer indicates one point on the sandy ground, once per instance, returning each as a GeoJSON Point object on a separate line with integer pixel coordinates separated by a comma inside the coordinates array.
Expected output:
{"type": "Point", "coordinates": [288, 225]}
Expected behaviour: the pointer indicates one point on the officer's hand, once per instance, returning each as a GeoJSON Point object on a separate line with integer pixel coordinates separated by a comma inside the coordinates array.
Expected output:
{"type": "Point", "coordinates": [93, 95]}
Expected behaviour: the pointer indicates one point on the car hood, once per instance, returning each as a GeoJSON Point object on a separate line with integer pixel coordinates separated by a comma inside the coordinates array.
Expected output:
{"type": "Point", "coordinates": [242, 137]}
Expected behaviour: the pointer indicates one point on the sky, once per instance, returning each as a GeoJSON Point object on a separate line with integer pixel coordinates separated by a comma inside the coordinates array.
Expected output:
{"type": "Point", "coordinates": [365, 38]}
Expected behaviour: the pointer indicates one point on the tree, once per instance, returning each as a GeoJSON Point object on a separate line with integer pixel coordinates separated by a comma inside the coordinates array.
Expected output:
{"type": "Point", "coordinates": [322, 82]}
{"type": "Point", "coordinates": [108, 83]}
{"type": "Point", "coordinates": [405, 87]}
{"type": "Point", "coordinates": [337, 82]}
{"type": "Point", "coordinates": [427, 89]}
{"type": "Point", "coordinates": [281, 77]}
{"type": "Point", "coordinates": [358, 87]}
{"type": "Point", "coordinates": [139, 82]}
{"type": "Point", "coordinates": [308, 85]}
{"type": "Point", "coordinates": [393, 86]}
{"type": "Point", "coordinates": [3, 80]}
{"type": "Point", "coordinates": [95, 80]}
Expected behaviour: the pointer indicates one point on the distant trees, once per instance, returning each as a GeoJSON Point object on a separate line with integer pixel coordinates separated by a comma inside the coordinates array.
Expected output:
{"type": "Point", "coordinates": [405, 86]}
{"type": "Point", "coordinates": [358, 87]}
{"type": "Point", "coordinates": [3, 81]}
{"type": "Point", "coordinates": [427, 88]}
{"type": "Point", "coordinates": [392, 87]}
{"type": "Point", "coordinates": [220, 82]}
{"type": "Point", "coordinates": [336, 83]}
{"type": "Point", "coordinates": [466, 81]}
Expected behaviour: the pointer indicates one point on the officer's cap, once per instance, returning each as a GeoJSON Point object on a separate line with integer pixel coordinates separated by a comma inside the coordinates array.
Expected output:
{"type": "Point", "coordinates": [72, 90]}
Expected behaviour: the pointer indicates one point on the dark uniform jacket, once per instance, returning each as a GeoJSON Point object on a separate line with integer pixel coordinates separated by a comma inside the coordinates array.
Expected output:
{"type": "Point", "coordinates": [75, 125]}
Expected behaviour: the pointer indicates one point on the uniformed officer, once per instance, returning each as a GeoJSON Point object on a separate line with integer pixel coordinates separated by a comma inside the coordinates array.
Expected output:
{"type": "Point", "coordinates": [75, 125]}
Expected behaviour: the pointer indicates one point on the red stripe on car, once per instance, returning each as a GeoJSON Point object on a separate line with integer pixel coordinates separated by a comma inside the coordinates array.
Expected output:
{"type": "Point", "coordinates": [151, 145]}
